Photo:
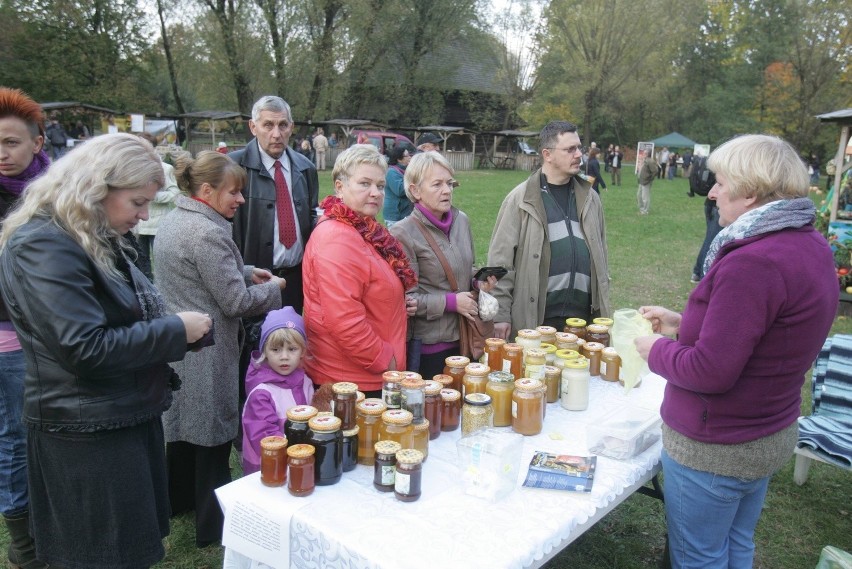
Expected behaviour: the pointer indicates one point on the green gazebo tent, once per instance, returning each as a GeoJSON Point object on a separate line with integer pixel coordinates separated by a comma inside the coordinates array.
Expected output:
{"type": "Point", "coordinates": [673, 140]}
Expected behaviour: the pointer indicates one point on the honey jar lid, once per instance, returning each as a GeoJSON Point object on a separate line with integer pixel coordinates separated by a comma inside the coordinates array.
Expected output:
{"type": "Point", "coordinates": [477, 399]}
{"type": "Point", "coordinates": [546, 330]}
{"type": "Point", "coordinates": [423, 425]}
{"type": "Point", "coordinates": [360, 396]}
{"type": "Point", "coordinates": [501, 376]}
{"type": "Point", "coordinates": [528, 384]}
{"type": "Point", "coordinates": [575, 322]}
{"type": "Point", "coordinates": [495, 341]}
{"type": "Point", "coordinates": [547, 348]}
{"type": "Point", "coordinates": [450, 394]}
{"type": "Point", "coordinates": [351, 432]}
{"type": "Point", "coordinates": [552, 371]}
{"type": "Point", "coordinates": [529, 334]}
{"type": "Point", "coordinates": [393, 376]}
{"type": "Point", "coordinates": [594, 346]}
{"type": "Point", "coordinates": [443, 379]}
{"type": "Point", "coordinates": [567, 354]}
{"type": "Point", "coordinates": [301, 413]}
{"type": "Point", "coordinates": [413, 383]}
{"type": "Point", "coordinates": [324, 423]}
{"type": "Point", "coordinates": [604, 322]}
{"type": "Point", "coordinates": [344, 388]}
{"type": "Point", "coordinates": [275, 442]}
{"type": "Point", "coordinates": [610, 351]}
{"type": "Point", "coordinates": [457, 361]}
{"type": "Point", "coordinates": [565, 338]}
{"type": "Point", "coordinates": [387, 447]}
{"type": "Point", "coordinates": [513, 347]}
{"type": "Point", "coordinates": [477, 369]}
{"type": "Point", "coordinates": [397, 417]}
{"type": "Point", "coordinates": [301, 451]}
{"type": "Point", "coordinates": [432, 387]}
{"type": "Point", "coordinates": [409, 456]}
{"type": "Point", "coordinates": [535, 353]}
{"type": "Point", "coordinates": [411, 375]}
{"type": "Point", "coordinates": [597, 329]}
{"type": "Point", "coordinates": [579, 363]}
{"type": "Point", "coordinates": [372, 406]}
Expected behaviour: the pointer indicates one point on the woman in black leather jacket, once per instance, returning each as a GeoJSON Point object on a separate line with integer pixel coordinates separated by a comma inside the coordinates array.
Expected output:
{"type": "Point", "coordinates": [97, 341]}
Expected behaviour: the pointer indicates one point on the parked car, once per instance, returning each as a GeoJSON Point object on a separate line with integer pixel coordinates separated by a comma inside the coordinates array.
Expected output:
{"type": "Point", "coordinates": [524, 148]}
{"type": "Point", "coordinates": [382, 140]}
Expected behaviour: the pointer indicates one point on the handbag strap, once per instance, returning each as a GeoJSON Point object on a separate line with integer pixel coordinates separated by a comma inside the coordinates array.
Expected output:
{"type": "Point", "coordinates": [438, 253]}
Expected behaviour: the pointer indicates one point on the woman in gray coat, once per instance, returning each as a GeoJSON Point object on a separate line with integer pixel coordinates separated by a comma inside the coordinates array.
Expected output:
{"type": "Point", "coordinates": [198, 267]}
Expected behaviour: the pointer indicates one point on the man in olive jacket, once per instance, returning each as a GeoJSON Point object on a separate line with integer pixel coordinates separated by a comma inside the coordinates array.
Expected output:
{"type": "Point", "coordinates": [551, 237]}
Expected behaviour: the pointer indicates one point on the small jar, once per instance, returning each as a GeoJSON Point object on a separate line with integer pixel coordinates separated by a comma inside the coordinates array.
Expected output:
{"type": "Point", "coordinates": [592, 351]}
{"type": "Point", "coordinates": [409, 475]}
{"type": "Point", "coordinates": [296, 425]}
{"type": "Point", "coordinates": [527, 407]}
{"type": "Point", "coordinates": [327, 440]}
{"type": "Point", "coordinates": [368, 418]}
{"type": "Point", "coordinates": [384, 468]}
{"type": "Point", "coordinates": [450, 409]}
{"type": "Point", "coordinates": [566, 341]}
{"type": "Point", "coordinates": [300, 462]}
{"type": "Point", "coordinates": [396, 426]}
{"type": "Point", "coordinates": [597, 333]}
{"type": "Point", "coordinates": [548, 334]}
{"type": "Point", "coordinates": [421, 438]}
{"type": "Point", "coordinates": [528, 338]}
{"type": "Point", "coordinates": [580, 343]}
{"type": "Point", "coordinates": [553, 383]}
{"type": "Point", "coordinates": [575, 385]}
{"type": "Point", "coordinates": [343, 403]}
{"type": "Point", "coordinates": [350, 448]}
{"type": "Point", "coordinates": [477, 413]}
{"type": "Point", "coordinates": [608, 322]}
{"type": "Point", "coordinates": [273, 461]}
{"type": "Point", "coordinates": [549, 352]}
{"type": "Point", "coordinates": [499, 387]}
{"type": "Point", "coordinates": [513, 359]}
{"type": "Point", "coordinates": [454, 367]}
{"type": "Point", "coordinates": [576, 326]}
{"type": "Point", "coordinates": [432, 407]}
{"type": "Point", "coordinates": [413, 398]}
{"type": "Point", "coordinates": [563, 356]}
{"type": "Point", "coordinates": [534, 362]}
{"type": "Point", "coordinates": [411, 375]}
{"type": "Point", "coordinates": [475, 378]}
{"type": "Point", "coordinates": [610, 365]}
{"type": "Point", "coordinates": [391, 389]}
{"type": "Point", "coordinates": [494, 353]}
{"type": "Point", "coordinates": [445, 380]}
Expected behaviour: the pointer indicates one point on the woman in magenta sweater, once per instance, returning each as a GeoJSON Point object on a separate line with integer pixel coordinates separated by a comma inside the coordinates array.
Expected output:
{"type": "Point", "coordinates": [736, 365]}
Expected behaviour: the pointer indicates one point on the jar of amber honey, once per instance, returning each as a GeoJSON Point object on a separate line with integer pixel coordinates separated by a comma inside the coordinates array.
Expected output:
{"type": "Point", "coordinates": [499, 387]}
{"type": "Point", "coordinates": [396, 426]}
{"type": "Point", "coordinates": [552, 382]}
{"type": "Point", "coordinates": [494, 353]}
{"type": "Point", "coordinates": [273, 461]}
{"type": "Point", "coordinates": [300, 461]}
{"type": "Point", "coordinates": [527, 407]}
{"type": "Point", "coordinates": [597, 333]}
{"type": "Point", "coordinates": [513, 359]}
{"type": "Point", "coordinates": [391, 394]}
{"type": "Point", "coordinates": [450, 409]}
{"type": "Point", "coordinates": [432, 407]}
{"type": "Point", "coordinates": [454, 367]}
{"type": "Point", "coordinates": [475, 378]}
{"type": "Point", "coordinates": [343, 403]}
{"type": "Point", "coordinates": [548, 334]}
{"type": "Point", "coordinates": [296, 425]}
{"type": "Point", "coordinates": [593, 352]}
{"type": "Point", "coordinates": [368, 418]}
{"type": "Point", "coordinates": [610, 365]}
{"type": "Point", "coordinates": [576, 326]}
{"type": "Point", "coordinates": [421, 438]}
{"type": "Point", "coordinates": [384, 468]}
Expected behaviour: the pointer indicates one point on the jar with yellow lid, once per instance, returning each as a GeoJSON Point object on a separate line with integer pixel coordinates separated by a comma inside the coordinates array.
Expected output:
{"type": "Point", "coordinates": [454, 367]}
{"type": "Point", "coordinates": [563, 356]}
{"type": "Point", "coordinates": [548, 334]}
{"type": "Point", "coordinates": [610, 365]}
{"type": "Point", "coordinates": [528, 338]}
{"type": "Point", "coordinates": [421, 438]}
{"type": "Point", "coordinates": [300, 463]}
{"type": "Point", "coordinates": [527, 406]}
{"type": "Point", "coordinates": [384, 468]}
{"type": "Point", "coordinates": [450, 409]}
{"type": "Point", "coordinates": [499, 387]}
{"type": "Point", "coordinates": [575, 385]}
{"type": "Point", "coordinates": [273, 461]}
{"type": "Point", "coordinates": [432, 407]}
{"type": "Point", "coordinates": [343, 403]}
{"type": "Point", "coordinates": [296, 425]}
{"type": "Point", "coordinates": [597, 333]}
{"type": "Point", "coordinates": [534, 362]}
{"type": "Point", "coordinates": [493, 357]}
{"type": "Point", "coordinates": [593, 351]}
{"type": "Point", "coordinates": [608, 322]}
{"type": "Point", "coordinates": [412, 397]}
{"type": "Point", "coordinates": [475, 378]}
{"type": "Point", "coordinates": [409, 475]}
{"type": "Point", "coordinates": [477, 413]}
{"type": "Point", "coordinates": [553, 383]}
{"type": "Point", "coordinates": [391, 389]}
{"type": "Point", "coordinates": [350, 448]}
{"type": "Point", "coordinates": [327, 440]}
{"type": "Point", "coordinates": [549, 352]}
{"type": "Point", "coordinates": [513, 359]}
{"type": "Point", "coordinates": [396, 426]}
{"type": "Point", "coordinates": [576, 326]}
{"type": "Point", "coordinates": [445, 380]}
{"type": "Point", "coordinates": [368, 418]}
{"type": "Point", "coordinates": [566, 341]}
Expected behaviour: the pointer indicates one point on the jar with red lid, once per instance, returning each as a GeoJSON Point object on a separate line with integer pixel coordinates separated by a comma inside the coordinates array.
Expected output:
{"type": "Point", "coordinates": [300, 462]}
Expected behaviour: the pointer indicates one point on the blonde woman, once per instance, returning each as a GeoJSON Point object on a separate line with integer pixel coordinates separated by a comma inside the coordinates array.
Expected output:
{"type": "Point", "coordinates": [97, 339]}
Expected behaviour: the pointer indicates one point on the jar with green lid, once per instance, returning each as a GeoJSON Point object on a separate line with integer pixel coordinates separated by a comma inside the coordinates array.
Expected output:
{"type": "Point", "coordinates": [391, 389]}
{"type": "Point", "coordinates": [396, 426]}
{"type": "Point", "coordinates": [528, 338]}
{"type": "Point", "coordinates": [576, 326]}
{"type": "Point", "coordinates": [608, 322]}
{"type": "Point", "coordinates": [350, 448]}
{"type": "Point", "coordinates": [610, 365]}
{"type": "Point", "coordinates": [343, 403]}
{"type": "Point", "coordinates": [296, 425]}
{"type": "Point", "coordinates": [413, 398]}
{"type": "Point", "coordinates": [368, 418]}
{"type": "Point", "coordinates": [549, 353]}
{"type": "Point", "coordinates": [384, 468]}
{"type": "Point", "coordinates": [477, 413]}
{"type": "Point", "coordinates": [593, 352]}
{"type": "Point", "coordinates": [432, 407]}
{"type": "Point", "coordinates": [534, 362]}
{"type": "Point", "coordinates": [409, 475]}
{"type": "Point", "coordinates": [493, 356]}
{"type": "Point", "coordinates": [475, 378]}
{"type": "Point", "coordinates": [597, 333]}
{"type": "Point", "coordinates": [553, 383]}
{"type": "Point", "coordinates": [450, 409]}
{"type": "Point", "coordinates": [327, 440]}
{"type": "Point", "coordinates": [563, 356]}
{"type": "Point", "coordinates": [566, 341]}
{"type": "Point", "coordinates": [548, 334]}
{"type": "Point", "coordinates": [421, 438]}
{"type": "Point", "coordinates": [527, 407]}
{"type": "Point", "coordinates": [499, 387]}
{"type": "Point", "coordinates": [575, 385]}
{"type": "Point", "coordinates": [454, 367]}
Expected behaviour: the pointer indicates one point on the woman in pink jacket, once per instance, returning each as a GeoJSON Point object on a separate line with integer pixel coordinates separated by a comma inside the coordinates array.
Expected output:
{"type": "Point", "coordinates": [356, 276]}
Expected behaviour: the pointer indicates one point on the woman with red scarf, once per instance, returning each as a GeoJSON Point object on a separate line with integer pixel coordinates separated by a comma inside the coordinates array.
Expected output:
{"type": "Point", "coordinates": [356, 276]}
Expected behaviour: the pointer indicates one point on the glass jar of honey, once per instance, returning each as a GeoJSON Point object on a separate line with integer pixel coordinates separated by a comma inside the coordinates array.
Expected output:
{"type": "Point", "coordinates": [603, 322]}
{"type": "Point", "coordinates": [273, 461]}
{"type": "Point", "coordinates": [296, 425]}
{"type": "Point", "coordinates": [391, 389]}
{"type": "Point", "coordinates": [548, 334]}
{"type": "Point", "coordinates": [300, 462]}
{"type": "Point", "coordinates": [549, 352]}
{"type": "Point", "coordinates": [597, 333]}
{"type": "Point", "coordinates": [566, 341]}
{"type": "Point", "coordinates": [610, 365]}
{"type": "Point", "coordinates": [477, 413]}
{"type": "Point", "coordinates": [421, 438]}
{"type": "Point", "coordinates": [384, 468]}
{"type": "Point", "coordinates": [527, 406]}
{"type": "Point", "coordinates": [413, 399]}
{"type": "Point", "coordinates": [396, 426]}
{"type": "Point", "coordinates": [575, 385]}
{"type": "Point", "coordinates": [513, 359]}
{"type": "Point", "coordinates": [494, 353]}
{"type": "Point", "coordinates": [343, 403]}
{"type": "Point", "coordinates": [445, 380]}
{"type": "Point", "coordinates": [409, 475]}
{"type": "Point", "coordinates": [563, 356]}
{"type": "Point", "coordinates": [368, 418]}
{"type": "Point", "coordinates": [450, 409]}
{"type": "Point", "coordinates": [576, 326]}
{"type": "Point", "coordinates": [528, 338]}
{"type": "Point", "coordinates": [553, 383]}
{"type": "Point", "coordinates": [475, 378]}
{"type": "Point", "coordinates": [593, 351]}
{"type": "Point", "coordinates": [499, 387]}
{"type": "Point", "coordinates": [454, 367]}
{"type": "Point", "coordinates": [534, 362]}
{"type": "Point", "coordinates": [327, 440]}
{"type": "Point", "coordinates": [432, 407]}
{"type": "Point", "coordinates": [350, 448]}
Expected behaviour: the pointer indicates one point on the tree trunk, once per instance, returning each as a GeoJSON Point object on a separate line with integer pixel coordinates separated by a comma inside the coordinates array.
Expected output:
{"type": "Point", "coordinates": [169, 61]}
{"type": "Point", "coordinates": [270, 12]}
{"type": "Point", "coordinates": [325, 55]}
{"type": "Point", "coordinates": [226, 16]}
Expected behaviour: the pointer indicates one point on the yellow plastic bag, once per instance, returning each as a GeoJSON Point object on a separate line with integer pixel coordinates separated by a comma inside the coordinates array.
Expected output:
{"type": "Point", "coordinates": [628, 325]}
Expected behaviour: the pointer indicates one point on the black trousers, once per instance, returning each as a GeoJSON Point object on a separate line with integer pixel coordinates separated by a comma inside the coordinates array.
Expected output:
{"type": "Point", "coordinates": [194, 473]}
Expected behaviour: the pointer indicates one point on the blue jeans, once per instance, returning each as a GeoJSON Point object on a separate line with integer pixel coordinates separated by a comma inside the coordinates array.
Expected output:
{"type": "Point", "coordinates": [711, 518]}
{"type": "Point", "coordinates": [13, 435]}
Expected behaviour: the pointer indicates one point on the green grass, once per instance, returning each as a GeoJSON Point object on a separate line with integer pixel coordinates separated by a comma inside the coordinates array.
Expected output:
{"type": "Point", "coordinates": [651, 259]}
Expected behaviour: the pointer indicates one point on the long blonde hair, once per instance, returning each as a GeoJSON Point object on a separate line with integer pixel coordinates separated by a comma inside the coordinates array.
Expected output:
{"type": "Point", "coordinates": [72, 190]}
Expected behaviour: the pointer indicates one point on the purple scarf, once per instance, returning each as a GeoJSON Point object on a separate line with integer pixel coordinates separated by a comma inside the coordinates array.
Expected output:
{"type": "Point", "coordinates": [444, 224]}
{"type": "Point", "coordinates": [15, 184]}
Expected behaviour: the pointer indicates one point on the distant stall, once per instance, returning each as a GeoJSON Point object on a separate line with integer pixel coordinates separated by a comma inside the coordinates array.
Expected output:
{"type": "Point", "coordinates": [205, 129]}
{"type": "Point", "coordinates": [844, 119]}
{"type": "Point", "coordinates": [458, 151]}
{"type": "Point", "coordinates": [510, 150]}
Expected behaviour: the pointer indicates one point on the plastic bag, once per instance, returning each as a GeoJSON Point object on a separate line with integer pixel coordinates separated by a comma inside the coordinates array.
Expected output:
{"type": "Point", "coordinates": [628, 325]}
{"type": "Point", "coordinates": [488, 306]}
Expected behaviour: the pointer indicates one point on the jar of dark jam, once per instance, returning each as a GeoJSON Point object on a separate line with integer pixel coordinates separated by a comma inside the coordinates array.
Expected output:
{"type": "Point", "coordinates": [384, 468]}
{"type": "Point", "coordinates": [273, 461]}
{"type": "Point", "coordinates": [369, 418]}
{"type": "Point", "coordinates": [343, 403]}
{"type": "Point", "coordinates": [597, 333]}
{"type": "Point", "coordinates": [409, 475]}
{"type": "Point", "coordinates": [350, 448]}
{"type": "Point", "coordinates": [300, 459]}
{"type": "Point", "coordinates": [450, 409]}
{"type": "Point", "coordinates": [576, 326]}
{"type": "Point", "coordinates": [327, 440]}
{"type": "Point", "coordinates": [296, 425]}
{"type": "Point", "coordinates": [432, 407]}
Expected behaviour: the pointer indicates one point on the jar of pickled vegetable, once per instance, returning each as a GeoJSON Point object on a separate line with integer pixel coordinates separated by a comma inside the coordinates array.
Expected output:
{"type": "Point", "coordinates": [432, 407]}
{"type": "Point", "coordinates": [454, 367]}
{"type": "Point", "coordinates": [413, 398]}
{"type": "Point", "coordinates": [450, 409]}
{"type": "Point", "coordinates": [475, 378]}
{"type": "Point", "coordinates": [396, 426]}
{"type": "Point", "coordinates": [343, 403]}
{"type": "Point", "coordinates": [576, 326]}
{"type": "Point", "coordinates": [494, 353]}
{"type": "Point", "coordinates": [513, 359]}
{"type": "Point", "coordinates": [527, 407]}
{"type": "Point", "coordinates": [499, 387]}
{"type": "Point", "coordinates": [368, 418]}
{"type": "Point", "coordinates": [391, 389]}
{"type": "Point", "coordinates": [477, 413]}
{"type": "Point", "coordinates": [296, 425]}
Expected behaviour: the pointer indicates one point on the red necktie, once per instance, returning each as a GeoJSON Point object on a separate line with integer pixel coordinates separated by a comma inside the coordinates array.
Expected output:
{"type": "Point", "coordinates": [286, 221]}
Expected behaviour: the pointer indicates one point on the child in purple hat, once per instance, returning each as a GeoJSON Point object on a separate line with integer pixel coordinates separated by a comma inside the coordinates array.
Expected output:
{"type": "Point", "coordinates": [275, 382]}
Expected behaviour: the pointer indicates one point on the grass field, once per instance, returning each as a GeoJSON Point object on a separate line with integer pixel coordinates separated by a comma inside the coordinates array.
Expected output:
{"type": "Point", "coordinates": [651, 259]}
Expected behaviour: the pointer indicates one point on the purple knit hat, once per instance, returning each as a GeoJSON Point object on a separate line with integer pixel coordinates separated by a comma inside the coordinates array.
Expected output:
{"type": "Point", "coordinates": [282, 318]}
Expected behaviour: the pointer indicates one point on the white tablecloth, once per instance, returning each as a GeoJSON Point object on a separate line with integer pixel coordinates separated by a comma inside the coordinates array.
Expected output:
{"type": "Point", "coordinates": [352, 525]}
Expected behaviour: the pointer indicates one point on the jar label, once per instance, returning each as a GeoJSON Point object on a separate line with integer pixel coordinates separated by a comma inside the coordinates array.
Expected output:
{"type": "Point", "coordinates": [332, 406]}
{"type": "Point", "coordinates": [603, 367]}
{"type": "Point", "coordinates": [535, 371]}
{"type": "Point", "coordinates": [388, 475]}
{"type": "Point", "coordinates": [515, 409]}
{"type": "Point", "coordinates": [485, 358]}
{"type": "Point", "coordinates": [507, 366]}
{"type": "Point", "coordinates": [403, 483]}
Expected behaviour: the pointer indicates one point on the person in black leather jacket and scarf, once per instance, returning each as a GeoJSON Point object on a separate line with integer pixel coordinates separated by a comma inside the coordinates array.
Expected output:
{"type": "Point", "coordinates": [97, 343]}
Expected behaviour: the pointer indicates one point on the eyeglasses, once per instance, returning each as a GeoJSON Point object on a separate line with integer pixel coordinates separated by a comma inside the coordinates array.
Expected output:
{"type": "Point", "coordinates": [569, 150]}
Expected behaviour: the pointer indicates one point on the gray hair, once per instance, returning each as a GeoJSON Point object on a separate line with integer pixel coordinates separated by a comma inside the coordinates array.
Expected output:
{"type": "Point", "coordinates": [270, 103]}
{"type": "Point", "coordinates": [420, 166]}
